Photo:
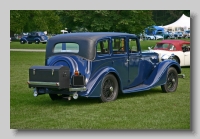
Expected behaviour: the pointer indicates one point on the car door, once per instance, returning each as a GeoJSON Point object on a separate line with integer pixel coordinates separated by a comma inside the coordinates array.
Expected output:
{"type": "Point", "coordinates": [186, 54]}
{"type": "Point", "coordinates": [187, 58]}
{"type": "Point", "coordinates": [120, 59]}
{"type": "Point", "coordinates": [134, 62]}
{"type": "Point", "coordinates": [31, 37]}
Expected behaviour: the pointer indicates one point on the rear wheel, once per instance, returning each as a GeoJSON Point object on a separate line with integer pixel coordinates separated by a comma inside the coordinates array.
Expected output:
{"type": "Point", "coordinates": [22, 42]}
{"type": "Point", "coordinates": [37, 41]}
{"type": "Point", "coordinates": [172, 81]}
{"type": "Point", "coordinates": [109, 88]}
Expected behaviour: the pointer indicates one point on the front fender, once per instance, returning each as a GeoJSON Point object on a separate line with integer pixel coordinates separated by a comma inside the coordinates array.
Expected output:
{"type": "Point", "coordinates": [159, 74]}
{"type": "Point", "coordinates": [94, 83]}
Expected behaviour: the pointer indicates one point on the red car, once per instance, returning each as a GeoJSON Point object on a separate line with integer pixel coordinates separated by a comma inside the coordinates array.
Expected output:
{"type": "Point", "coordinates": [180, 48]}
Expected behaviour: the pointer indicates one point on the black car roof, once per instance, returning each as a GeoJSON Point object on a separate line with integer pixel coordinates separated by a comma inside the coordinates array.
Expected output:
{"type": "Point", "coordinates": [91, 35]}
{"type": "Point", "coordinates": [86, 41]}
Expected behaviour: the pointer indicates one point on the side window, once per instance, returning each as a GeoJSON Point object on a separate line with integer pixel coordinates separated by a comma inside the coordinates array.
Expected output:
{"type": "Point", "coordinates": [118, 45]}
{"type": "Point", "coordinates": [33, 34]}
{"type": "Point", "coordinates": [133, 46]}
{"type": "Point", "coordinates": [103, 47]}
{"type": "Point", "coordinates": [172, 47]}
{"type": "Point", "coordinates": [165, 46]}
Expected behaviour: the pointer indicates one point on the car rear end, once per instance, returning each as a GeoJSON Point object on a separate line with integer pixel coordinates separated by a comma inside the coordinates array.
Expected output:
{"type": "Point", "coordinates": [66, 70]}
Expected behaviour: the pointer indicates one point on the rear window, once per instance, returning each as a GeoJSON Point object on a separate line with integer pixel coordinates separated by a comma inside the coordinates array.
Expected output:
{"type": "Point", "coordinates": [66, 47]}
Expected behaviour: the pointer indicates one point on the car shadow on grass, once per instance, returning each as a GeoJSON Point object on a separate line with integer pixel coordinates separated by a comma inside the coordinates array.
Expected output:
{"type": "Point", "coordinates": [140, 94]}
{"type": "Point", "coordinates": [91, 101]}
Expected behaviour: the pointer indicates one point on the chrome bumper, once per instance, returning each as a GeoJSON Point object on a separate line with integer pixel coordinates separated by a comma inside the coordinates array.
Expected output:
{"type": "Point", "coordinates": [44, 83]}
{"type": "Point", "coordinates": [77, 89]}
{"type": "Point", "coordinates": [56, 84]}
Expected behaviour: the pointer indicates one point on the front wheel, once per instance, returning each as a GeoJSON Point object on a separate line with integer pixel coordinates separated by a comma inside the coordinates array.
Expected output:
{"type": "Point", "coordinates": [109, 88]}
{"type": "Point", "coordinates": [172, 81]}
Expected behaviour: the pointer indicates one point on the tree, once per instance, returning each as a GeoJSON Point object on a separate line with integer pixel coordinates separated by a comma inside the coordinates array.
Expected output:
{"type": "Point", "coordinates": [34, 20]}
{"type": "Point", "coordinates": [165, 17]}
{"type": "Point", "coordinates": [131, 21]}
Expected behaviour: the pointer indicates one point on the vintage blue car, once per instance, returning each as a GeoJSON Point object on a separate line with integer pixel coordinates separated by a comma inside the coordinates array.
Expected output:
{"type": "Point", "coordinates": [100, 64]}
{"type": "Point", "coordinates": [34, 37]}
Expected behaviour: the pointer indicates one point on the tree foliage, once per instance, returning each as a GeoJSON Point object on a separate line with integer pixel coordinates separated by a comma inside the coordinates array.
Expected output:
{"type": "Point", "coordinates": [165, 17]}
{"type": "Point", "coordinates": [109, 20]}
{"type": "Point", "coordinates": [52, 21]}
{"type": "Point", "coordinates": [34, 20]}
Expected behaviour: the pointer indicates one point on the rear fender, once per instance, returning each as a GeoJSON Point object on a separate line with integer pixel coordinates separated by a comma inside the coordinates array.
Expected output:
{"type": "Point", "coordinates": [94, 84]}
{"type": "Point", "coordinates": [24, 39]}
{"type": "Point", "coordinates": [159, 74]}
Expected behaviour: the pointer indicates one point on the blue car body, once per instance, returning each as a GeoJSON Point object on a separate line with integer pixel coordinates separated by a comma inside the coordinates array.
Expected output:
{"type": "Point", "coordinates": [133, 69]}
{"type": "Point", "coordinates": [34, 37]}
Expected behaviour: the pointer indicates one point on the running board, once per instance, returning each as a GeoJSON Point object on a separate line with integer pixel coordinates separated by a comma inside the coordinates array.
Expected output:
{"type": "Point", "coordinates": [138, 88]}
{"type": "Point", "coordinates": [143, 87]}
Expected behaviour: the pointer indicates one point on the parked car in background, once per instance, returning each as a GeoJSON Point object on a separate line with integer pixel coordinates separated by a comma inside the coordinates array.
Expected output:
{"type": "Point", "coordinates": [186, 34]}
{"type": "Point", "coordinates": [179, 48]}
{"type": "Point", "coordinates": [171, 35]}
{"type": "Point", "coordinates": [164, 34]}
{"type": "Point", "coordinates": [13, 39]}
{"type": "Point", "coordinates": [100, 64]}
{"type": "Point", "coordinates": [34, 37]}
{"type": "Point", "coordinates": [178, 34]}
{"type": "Point", "coordinates": [149, 37]}
{"type": "Point", "coordinates": [158, 37]}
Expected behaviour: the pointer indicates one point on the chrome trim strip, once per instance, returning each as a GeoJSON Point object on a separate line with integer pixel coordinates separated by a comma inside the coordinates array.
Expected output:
{"type": "Point", "coordinates": [78, 89]}
{"type": "Point", "coordinates": [44, 83]}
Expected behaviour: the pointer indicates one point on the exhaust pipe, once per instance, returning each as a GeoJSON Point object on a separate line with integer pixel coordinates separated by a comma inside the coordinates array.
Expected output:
{"type": "Point", "coordinates": [39, 91]}
{"type": "Point", "coordinates": [35, 93]}
{"type": "Point", "coordinates": [181, 76]}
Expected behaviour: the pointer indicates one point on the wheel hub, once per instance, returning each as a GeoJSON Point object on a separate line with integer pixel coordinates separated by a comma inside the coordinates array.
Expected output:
{"type": "Point", "coordinates": [111, 89]}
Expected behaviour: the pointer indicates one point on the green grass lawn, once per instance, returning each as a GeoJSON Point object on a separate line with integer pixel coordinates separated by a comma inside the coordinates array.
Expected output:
{"type": "Point", "coordinates": [143, 110]}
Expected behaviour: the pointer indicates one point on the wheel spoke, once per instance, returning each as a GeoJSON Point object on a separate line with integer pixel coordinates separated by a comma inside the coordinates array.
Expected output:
{"type": "Point", "coordinates": [108, 89]}
{"type": "Point", "coordinates": [171, 81]}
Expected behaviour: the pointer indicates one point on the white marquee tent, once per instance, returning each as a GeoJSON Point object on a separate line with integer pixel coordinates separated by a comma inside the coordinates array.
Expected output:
{"type": "Point", "coordinates": [183, 23]}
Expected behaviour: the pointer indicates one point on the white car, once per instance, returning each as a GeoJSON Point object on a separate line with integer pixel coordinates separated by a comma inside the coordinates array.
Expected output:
{"type": "Point", "coordinates": [158, 37]}
{"type": "Point", "coordinates": [149, 37]}
{"type": "Point", "coordinates": [180, 50]}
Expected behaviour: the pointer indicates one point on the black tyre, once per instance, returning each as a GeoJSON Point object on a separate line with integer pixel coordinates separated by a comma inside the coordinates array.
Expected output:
{"type": "Point", "coordinates": [172, 81]}
{"type": "Point", "coordinates": [55, 97]}
{"type": "Point", "coordinates": [22, 42]}
{"type": "Point", "coordinates": [109, 88]}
